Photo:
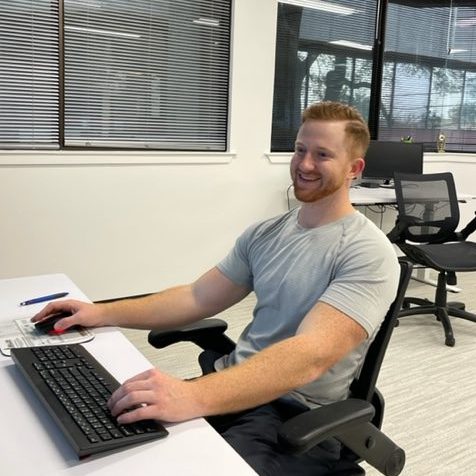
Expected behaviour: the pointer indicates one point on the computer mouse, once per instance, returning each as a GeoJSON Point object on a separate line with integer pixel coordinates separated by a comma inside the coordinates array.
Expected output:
{"type": "Point", "coordinates": [46, 326]}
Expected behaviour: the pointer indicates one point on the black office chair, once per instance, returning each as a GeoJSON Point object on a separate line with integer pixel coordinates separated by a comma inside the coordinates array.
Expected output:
{"type": "Point", "coordinates": [428, 215]}
{"type": "Point", "coordinates": [356, 422]}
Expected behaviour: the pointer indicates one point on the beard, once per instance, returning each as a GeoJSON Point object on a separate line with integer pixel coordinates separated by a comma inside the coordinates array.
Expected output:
{"type": "Point", "coordinates": [320, 191]}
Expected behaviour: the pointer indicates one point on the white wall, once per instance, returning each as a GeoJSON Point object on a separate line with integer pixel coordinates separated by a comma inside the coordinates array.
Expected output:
{"type": "Point", "coordinates": [119, 229]}
{"type": "Point", "coordinates": [130, 223]}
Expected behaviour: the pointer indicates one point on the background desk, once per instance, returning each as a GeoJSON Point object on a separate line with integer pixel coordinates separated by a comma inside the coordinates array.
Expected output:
{"type": "Point", "coordinates": [372, 196]}
{"type": "Point", "coordinates": [385, 196]}
{"type": "Point", "coordinates": [32, 444]}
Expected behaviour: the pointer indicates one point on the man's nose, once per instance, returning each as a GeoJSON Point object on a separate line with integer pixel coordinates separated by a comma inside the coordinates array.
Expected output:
{"type": "Point", "coordinates": [307, 162]}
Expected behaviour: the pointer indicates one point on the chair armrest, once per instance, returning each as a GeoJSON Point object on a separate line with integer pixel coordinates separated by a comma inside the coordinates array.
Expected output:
{"type": "Point", "coordinates": [397, 233]}
{"type": "Point", "coordinates": [209, 334]}
{"type": "Point", "coordinates": [468, 229]}
{"type": "Point", "coordinates": [400, 232]}
{"type": "Point", "coordinates": [307, 429]}
{"type": "Point", "coordinates": [350, 422]}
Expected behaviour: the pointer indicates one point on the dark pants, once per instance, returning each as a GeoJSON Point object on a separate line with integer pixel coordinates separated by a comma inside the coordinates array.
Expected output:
{"type": "Point", "coordinates": [253, 435]}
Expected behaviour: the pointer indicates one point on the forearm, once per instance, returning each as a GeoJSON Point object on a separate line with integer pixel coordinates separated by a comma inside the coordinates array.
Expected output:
{"type": "Point", "coordinates": [170, 308]}
{"type": "Point", "coordinates": [205, 297]}
{"type": "Point", "coordinates": [266, 376]}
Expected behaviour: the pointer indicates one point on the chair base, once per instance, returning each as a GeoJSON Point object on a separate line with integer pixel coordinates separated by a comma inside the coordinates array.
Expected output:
{"type": "Point", "coordinates": [442, 313]}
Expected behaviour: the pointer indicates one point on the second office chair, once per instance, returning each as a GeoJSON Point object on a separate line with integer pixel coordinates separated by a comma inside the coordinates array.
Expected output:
{"type": "Point", "coordinates": [428, 215]}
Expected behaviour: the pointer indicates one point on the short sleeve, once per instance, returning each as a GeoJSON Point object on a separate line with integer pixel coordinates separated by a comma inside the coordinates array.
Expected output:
{"type": "Point", "coordinates": [365, 282]}
{"type": "Point", "coordinates": [236, 265]}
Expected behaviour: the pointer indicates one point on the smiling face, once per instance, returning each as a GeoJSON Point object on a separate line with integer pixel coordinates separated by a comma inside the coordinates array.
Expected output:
{"type": "Point", "coordinates": [322, 163]}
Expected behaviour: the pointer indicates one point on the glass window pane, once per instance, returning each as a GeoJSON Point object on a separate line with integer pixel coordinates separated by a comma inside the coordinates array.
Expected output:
{"type": "Point", "coordinates": [323, 51]}
{"type": "Point", "coordinates": [147, 73]}
{"type": "Point", "coordinates": [468, 108]}
{"type": "Point", "coordinates": [430, 62]}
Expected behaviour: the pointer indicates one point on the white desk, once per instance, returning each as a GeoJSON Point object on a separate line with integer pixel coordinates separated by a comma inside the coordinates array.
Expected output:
{"type": "Point", "coordinates": [372, 196]}
{"type": "Point", "coordinates": [384, 196]}
{"type": "Point", "coordinates": [31, 442]}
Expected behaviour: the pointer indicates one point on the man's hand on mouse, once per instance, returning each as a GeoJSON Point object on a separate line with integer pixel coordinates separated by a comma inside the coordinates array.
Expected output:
{"type": "Point", "coordinates": [82, 314]}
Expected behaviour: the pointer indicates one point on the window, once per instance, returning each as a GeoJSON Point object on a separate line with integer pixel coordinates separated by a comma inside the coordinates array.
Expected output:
{"type": "Point", "coordinates": [429, 71]}
{"type": "Point", "coordinates": [323, 52]}
{"type": "Point", "coordinates": [420, 82]}
{"type": "Point", "coordinates": [29, 82]}
{"type": "Point", "coordinates": [132, 74]}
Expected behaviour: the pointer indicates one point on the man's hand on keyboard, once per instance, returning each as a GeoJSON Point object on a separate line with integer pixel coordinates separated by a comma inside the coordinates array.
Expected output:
{"type": "Point", "coordinates": [154, 395]}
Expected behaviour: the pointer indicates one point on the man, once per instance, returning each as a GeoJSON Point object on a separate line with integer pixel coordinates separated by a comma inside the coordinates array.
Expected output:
{"type": "Point", "coordinates": [324, 277]}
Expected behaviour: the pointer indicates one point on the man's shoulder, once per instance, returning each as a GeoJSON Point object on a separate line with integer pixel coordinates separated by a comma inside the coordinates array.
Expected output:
{"type": "Point", "coordinates": [362, 226]}
{"type": "Point", "coordinates": [366, 241]}
{"type": "Point", "coordinates": [268, 225]}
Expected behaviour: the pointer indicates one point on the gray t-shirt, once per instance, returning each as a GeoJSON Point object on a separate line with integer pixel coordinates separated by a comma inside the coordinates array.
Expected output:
{"type": "Point", "coordinates": [349, 264]}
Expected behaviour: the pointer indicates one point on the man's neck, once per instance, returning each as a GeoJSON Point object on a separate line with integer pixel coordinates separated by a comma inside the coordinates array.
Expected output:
{"type": "Point", "coordinates": [324, 211]}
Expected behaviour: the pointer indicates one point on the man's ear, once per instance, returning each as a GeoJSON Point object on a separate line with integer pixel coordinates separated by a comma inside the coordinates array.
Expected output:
{"type": "Point", "coordinates": [358, 166]}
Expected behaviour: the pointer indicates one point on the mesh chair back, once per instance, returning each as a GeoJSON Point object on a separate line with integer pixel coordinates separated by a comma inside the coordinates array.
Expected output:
{"type": "Point", "coordinates": [364, 386]}
{"type": "Point", "coordinates": [429, 205]}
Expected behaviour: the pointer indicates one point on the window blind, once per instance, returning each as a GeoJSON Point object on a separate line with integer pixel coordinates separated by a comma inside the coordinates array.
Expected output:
{"type": "Point", "coordinates": [429, 70]}
{"type": "Point", "coordinates": [29, 74]}
{"type": "Point", "coordinates": [147, 74]}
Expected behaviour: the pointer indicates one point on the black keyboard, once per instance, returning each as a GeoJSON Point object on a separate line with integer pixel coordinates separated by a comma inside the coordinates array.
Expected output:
{"type": "Point", "coordinates": [75, 388]}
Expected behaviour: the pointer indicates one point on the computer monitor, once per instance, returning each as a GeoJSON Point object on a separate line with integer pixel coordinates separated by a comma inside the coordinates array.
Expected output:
{"type": "Point", "coordinates": [383, 159]}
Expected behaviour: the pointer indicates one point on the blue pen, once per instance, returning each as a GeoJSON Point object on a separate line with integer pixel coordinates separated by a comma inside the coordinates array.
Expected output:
{"type": "Point", "coordinates": [49, 297]}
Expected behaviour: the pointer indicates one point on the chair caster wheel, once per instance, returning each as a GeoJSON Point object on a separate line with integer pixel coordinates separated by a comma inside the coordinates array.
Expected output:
{"type": "Point", "coordinates": [450, 341]}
